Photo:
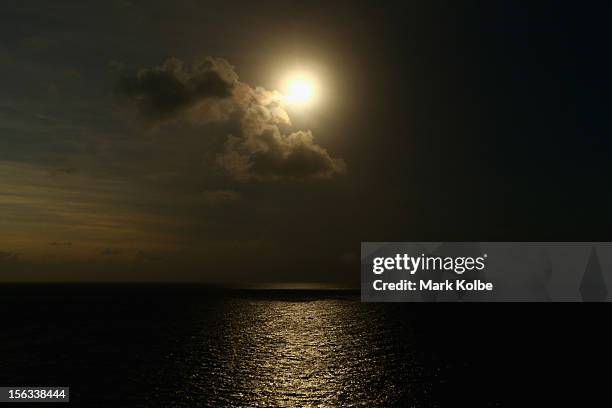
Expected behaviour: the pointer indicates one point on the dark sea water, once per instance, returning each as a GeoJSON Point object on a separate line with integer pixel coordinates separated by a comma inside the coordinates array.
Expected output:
{"type": "Point", "coordinates": [191, 346]}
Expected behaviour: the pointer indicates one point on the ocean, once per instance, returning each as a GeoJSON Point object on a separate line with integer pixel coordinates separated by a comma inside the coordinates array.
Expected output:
{"type": "Point", "coordinates": [156, 345]}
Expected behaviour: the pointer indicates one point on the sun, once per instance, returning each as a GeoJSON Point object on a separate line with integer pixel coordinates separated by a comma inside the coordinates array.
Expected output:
{"type": "Point", "coordinates": [299, 90]}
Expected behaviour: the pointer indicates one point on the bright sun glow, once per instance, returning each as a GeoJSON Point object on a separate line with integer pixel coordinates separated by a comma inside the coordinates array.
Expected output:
{"type": "Point", "coordinates": [299, 90]}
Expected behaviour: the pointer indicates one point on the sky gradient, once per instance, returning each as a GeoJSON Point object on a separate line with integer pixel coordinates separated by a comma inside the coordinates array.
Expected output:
{"type": "Point", "coordinates": [145, 140]}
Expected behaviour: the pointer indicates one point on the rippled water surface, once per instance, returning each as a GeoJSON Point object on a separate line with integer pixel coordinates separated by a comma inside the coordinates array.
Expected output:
{"type": "Point", "coordinates": [315, 353]}
{"type": "Point", "coordinates": [183, 348]}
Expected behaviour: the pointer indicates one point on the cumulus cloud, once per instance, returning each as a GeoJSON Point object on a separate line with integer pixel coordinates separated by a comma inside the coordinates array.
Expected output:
{"type": "Point", "coordinates": [211, 91]}
{"type": "Point", "coordinates": [270, 155]}
{"type": "Point", "coordinates": [169, 90]}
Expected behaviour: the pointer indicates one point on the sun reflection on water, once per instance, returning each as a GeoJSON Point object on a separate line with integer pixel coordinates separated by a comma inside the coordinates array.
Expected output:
{"type": "Point", "coordinates": [268, 353]}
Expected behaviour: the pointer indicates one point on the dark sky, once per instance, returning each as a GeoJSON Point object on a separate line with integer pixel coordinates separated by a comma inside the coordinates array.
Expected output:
{"type": "Point", "coordinates": [437, 121]}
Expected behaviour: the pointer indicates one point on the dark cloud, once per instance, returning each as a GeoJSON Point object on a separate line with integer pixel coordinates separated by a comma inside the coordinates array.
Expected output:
{"type": "Point", "coordinates": [166, 91]}
{"type": "Point", "coordinates": [259, 149]}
